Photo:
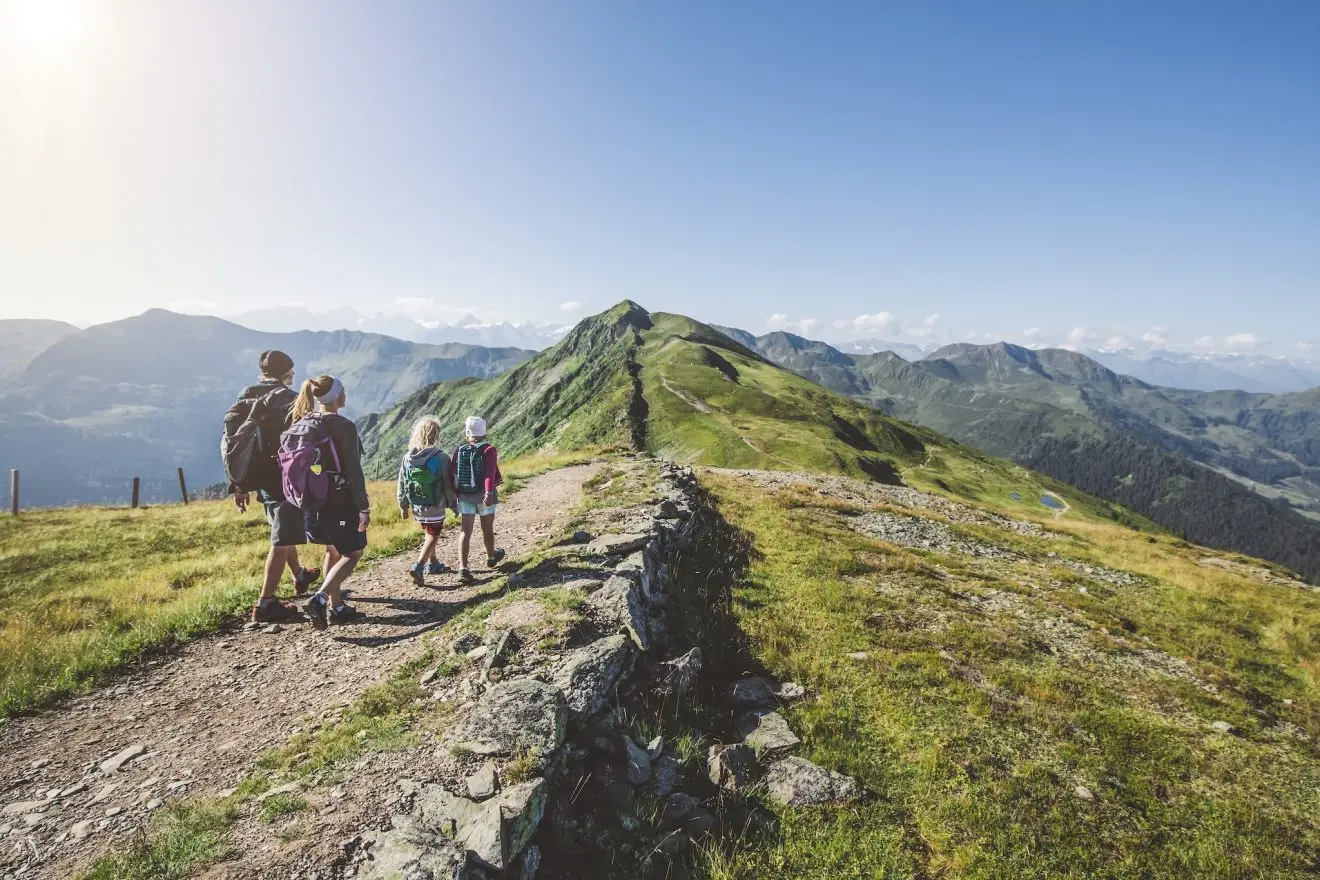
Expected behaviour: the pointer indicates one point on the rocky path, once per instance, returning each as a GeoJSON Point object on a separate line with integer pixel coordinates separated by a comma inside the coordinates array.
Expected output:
{"type": "Point", "coordinates": [86, 774]}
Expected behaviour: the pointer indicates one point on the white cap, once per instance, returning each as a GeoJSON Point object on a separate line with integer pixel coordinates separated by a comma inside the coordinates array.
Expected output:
{"type": "Point", "coordinates": [475, 426]}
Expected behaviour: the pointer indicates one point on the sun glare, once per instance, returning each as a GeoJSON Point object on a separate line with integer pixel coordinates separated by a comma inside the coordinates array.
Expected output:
{"type": "Point", "coordinates": [46, 29]}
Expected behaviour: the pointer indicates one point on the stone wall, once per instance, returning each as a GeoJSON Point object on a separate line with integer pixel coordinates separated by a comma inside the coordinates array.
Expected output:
{"type": "Point", "coordinates": [525, 719]}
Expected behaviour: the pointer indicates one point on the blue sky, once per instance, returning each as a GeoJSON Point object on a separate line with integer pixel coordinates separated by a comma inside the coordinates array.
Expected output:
{"type": "Point", "coordinates": [1109, 170]}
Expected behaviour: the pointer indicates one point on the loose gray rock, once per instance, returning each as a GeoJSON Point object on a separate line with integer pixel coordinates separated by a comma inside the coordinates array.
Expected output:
{"type": "Point", "coordinates": [1084, 793]}
{"type": "Point", "coordinates": [620, 603]}
{"type": "Point", "coordinates": [111, 766]}
{"type": "Point", "coordinates": [681, 673]}
{"type": "Point", "coordinates": [155, 804]}
{"type": "Point", "coordinates": [639, 762]}
{"type": "Point", "coordinates": [617, 545]}
{"type": "Point", "coordinates": [287, 788]}
{"type": "Point", "coordinates": [665, 775]}
{"type": "Point", "coordinates": [655, 748]}
{"type": "Point", "coordinates": [1223, 727]}
{"type": "Point", "coordinates": [677, 807]}
{"type": "Point", "coordinates": [496, 831]}
{"type": "Point", "coordinates": [790, 691]}
{"type": "Point", "coordinates": [589, 675]}
{"type": "Point", "coordinates": [767, 732]}
{"type": "Point", "coordinates": [18, 809]}
{"type": "Point", "coordinates": [520, 717]}
{"type": "Point", "coordinates": [506, 644]}
{"type": "Point", "coordinates": [82, 829]}
{"type": "Point", "coordinates": [750, 693]}
{"type": "Point", "coordinates": [466, 642]}
{"type": "Point", "coordinates": [481, 785]}
{"type": "Point", "coordinates": [731, 767]}
{"type": "Point", "coordinates": [796, 782]}
{"type": "Point", "coordinates": [411, 852]}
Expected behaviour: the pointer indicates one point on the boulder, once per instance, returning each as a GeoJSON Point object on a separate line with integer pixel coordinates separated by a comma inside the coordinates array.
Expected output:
{"type": "Point", "coordinates": [766, 732]}
{"type": "Point", "coordinates": [519, 717]}
{"type": "Point", "coordinates": [589, 675]}
{"type": "Point", "coordinates": [620, 603]}
{"type": "Point", "coordinates": [790, 691]}
{"type": "Point", "coordinates": [731, 767]}
{"type": "Point", "coordinates": [665, 774]}
{"type": "Point", "coordinates": [796, 782]}
{"type": "Point", "coordinates": [635, 566]}
{"type": "Point", "coordinates": [494, 832]}
{"type": "Point", "coordinates": [750, 693]}
{"type": "Point", "coordinates": [505, 645]}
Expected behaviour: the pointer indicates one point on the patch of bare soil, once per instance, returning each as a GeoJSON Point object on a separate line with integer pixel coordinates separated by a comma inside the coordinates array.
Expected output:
{"type": "Point", "coordinates": [192, 723]}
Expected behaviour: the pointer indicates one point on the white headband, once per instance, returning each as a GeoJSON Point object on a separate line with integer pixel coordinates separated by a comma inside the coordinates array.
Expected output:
{"type": "Point", "coordinates": [336, 389]}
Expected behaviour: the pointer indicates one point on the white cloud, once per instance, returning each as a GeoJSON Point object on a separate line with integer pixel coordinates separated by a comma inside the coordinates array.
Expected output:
{"type": "Point", "coordinates": [1205, 343]}
{"type": "Point", "coordinates": [969, 336]}
{"type": "Point", "coordinates": [1155, 336]}
{"type": "Point", "coordinates": [1117, 341]}
{"type": "Point", "coordinates": [571, 306]}
{"type": "Point", "coordinates": [1242, 342]}
{"type": "Point", "coordinates": [880, 322]}
{"type": "Point", "coordinates": [780, 321]}
{"type": "Point", "coordinates": [1305, 347]}
{"type": "Point", "coordinates": [1080, 335]}
{"type": "Point", "coordinates": [193, 306]}
{"type": "Point", "coordinates": [929, 327]}
{"type": "Point", "coordinates": [1033, 335]}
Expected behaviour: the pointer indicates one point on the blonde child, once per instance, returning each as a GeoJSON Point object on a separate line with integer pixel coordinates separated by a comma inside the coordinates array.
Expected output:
{"type": "Point", "coordinates": [426, 489]}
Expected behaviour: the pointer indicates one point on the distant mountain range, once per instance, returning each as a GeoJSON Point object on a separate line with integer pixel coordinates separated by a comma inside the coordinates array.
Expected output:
{"type": "Point", "coordinates": [1224, 468]}
{"type": "Point", "coordinates": [682, 389]}
{"type": "Point", "coordinates": [468, 330]}
{"type": "Point", "coordinates": [145, 395]}
{"type": "Point", "coordinates": [1213, 372]}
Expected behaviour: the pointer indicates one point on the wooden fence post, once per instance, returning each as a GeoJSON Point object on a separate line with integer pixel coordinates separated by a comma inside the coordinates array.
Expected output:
{"type": "Point", "coordinates": [183, 487]}
{"type": "Point", "coordinates": [137, 483]}
{"type": "Point", "coordinates": [13, 491]}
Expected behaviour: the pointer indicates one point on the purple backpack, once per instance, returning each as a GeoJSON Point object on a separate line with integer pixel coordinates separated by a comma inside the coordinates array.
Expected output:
{"type": "Point", "coordinates": [305, 472]}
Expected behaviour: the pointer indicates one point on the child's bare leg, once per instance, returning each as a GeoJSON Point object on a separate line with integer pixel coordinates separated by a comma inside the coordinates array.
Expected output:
{"type": "Point", "coordinates": [434, 559]}
{"type": "Point", "coordinates": [488, 533]}
{"type": "Point", "coordinates": [337, 574]}
{"type": "Point", "coordinates": [428, 549]}
{"type": "Point", "coordinates": [466, 541]}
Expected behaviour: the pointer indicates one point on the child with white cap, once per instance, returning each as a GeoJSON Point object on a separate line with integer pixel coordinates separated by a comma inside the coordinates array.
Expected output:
{"type": "Point", "coordinates": [476, 471]}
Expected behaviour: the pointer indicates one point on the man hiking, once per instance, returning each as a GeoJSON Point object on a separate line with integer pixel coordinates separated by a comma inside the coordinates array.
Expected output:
{"type": "Point", "coordinates": [249, 446]}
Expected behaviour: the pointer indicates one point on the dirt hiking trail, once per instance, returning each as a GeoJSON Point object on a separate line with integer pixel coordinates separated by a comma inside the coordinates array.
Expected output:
{"type": "Point", "coordinates": [198, 717]}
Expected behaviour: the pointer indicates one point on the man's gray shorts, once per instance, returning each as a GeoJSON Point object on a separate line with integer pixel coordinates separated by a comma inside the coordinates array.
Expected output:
{"type": "Point", "coordinates": [286, 523]}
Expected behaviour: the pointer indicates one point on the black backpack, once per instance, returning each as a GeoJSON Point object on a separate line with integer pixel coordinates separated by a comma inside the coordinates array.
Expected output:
{"type": "Point", "coordinates": [470, 468]}
{"type": "Point", "coordinates": [250, 443]}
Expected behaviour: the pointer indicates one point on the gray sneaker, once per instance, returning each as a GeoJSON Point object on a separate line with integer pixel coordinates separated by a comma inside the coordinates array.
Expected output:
{"type": "Point", "coordinates": [318, 608]}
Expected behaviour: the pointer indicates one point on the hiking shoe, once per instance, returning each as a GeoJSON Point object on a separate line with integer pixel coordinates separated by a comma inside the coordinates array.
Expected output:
{"type": "Point", "coordinates": [303, 580]}
{"type": "Point", "coordinates": [416, 572]}
{"type": "Point", "coordinates": [345, 614]}
{"type": "Point", "coordinates": [465, 576]}
{"type": "Point", "coordinates": [436, 568]}
{"type": "Point", "coordinates": [274, 612]}
{"type": "Point", "coordinates": [318, 608]}
{"type": "Point", "coordinates": [492, 561]}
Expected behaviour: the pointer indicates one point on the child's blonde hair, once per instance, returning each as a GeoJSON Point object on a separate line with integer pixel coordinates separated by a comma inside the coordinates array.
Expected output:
{"type": "Point", "coordinates": [425, 433]}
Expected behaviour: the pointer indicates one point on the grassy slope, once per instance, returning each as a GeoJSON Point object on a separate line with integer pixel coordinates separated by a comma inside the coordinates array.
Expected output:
{"type": "Point", "coordinates": [975, 766]}
{"type": "Point", "coordinates": [86, 590]}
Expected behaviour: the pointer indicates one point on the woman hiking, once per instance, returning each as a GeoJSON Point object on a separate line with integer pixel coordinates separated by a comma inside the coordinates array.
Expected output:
{"type": "Point", "coordinates": [426, 489]}
{"type": "Point", "coordinates": [321, 460]}
{"type": "Point", "coordinates": [264, 407]}
{"type": "Point", "coordinates": [476, 468]}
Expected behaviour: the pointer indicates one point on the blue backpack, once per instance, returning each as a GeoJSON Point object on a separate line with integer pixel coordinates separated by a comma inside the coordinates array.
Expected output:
{"type": "Point", "coordinates": [470, 468]}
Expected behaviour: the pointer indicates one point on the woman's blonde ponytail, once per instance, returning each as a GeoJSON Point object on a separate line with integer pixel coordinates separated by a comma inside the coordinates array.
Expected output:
{"type": "Point", "coordinates": [311, 389]}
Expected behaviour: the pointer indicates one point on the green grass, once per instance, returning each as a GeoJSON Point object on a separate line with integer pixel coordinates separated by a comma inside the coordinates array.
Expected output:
{"type": "Point", "coordinates": [182, 839]}
{"type": "Point", "coordinates": [974, 764]}
{"type": "Point", "coordinates": [280, 805]}
{"type": "Point", "coordinates": [86, 589]}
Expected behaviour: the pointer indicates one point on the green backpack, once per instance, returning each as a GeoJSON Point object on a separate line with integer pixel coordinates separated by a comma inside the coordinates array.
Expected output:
{"type": "Point", "coordinates": [422, 483]}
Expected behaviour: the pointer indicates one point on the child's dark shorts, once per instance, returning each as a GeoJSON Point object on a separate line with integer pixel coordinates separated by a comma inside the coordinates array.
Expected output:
{"type": "Point", "coordinates": [336, 526]}
{"type": "Point", "coordinates": [433, 528]}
